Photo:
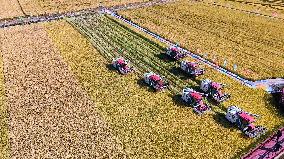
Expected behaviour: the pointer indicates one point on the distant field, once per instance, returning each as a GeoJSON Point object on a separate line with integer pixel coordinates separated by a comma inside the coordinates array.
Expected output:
{"type": "Point", "coordinates": [9, 9]}
{"type": "Point", "coordinates": [34, 7]}
{"type": "Point", "coordinates": [258, 6]}
{"type": "Point", "coordinates": [254, 43]}
{"type": "Point", "coordinates": [147, 123]}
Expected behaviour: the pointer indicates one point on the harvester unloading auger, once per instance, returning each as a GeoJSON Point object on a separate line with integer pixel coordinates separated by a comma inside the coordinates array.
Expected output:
{"type": "Point", "coordinates": [214, 90]}
{"type": "Point", "coordinates": [194, 99]}
{"type": "Point", "coordinates": [155, 81]}
{"type": "Point", "coordinates": [122, 65]}
{"type": "Point", "coordinates": [244, 120]}
{"type": "Point", "coordinates": [175, 53]}
{"type": "Point", "coordinates": [191, 68]}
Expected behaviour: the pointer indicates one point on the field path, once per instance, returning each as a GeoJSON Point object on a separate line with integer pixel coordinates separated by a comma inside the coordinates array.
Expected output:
{"type": "Point", "coordinates": [50, 116]}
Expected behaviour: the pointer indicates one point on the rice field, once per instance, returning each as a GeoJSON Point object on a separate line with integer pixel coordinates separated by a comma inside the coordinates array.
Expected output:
{"type": "Point", "coordinates": [35, 7]}
{"type": "Point", "coordinates": [60, 97]}
{"type": "Point", "coordinates": [151, 124]}
{"type": "Point", "coordinates": [4, 141]}
{"type": "Point", "coordinates": [251, 42]}
{"type": "Point", "coordinates": [9, 9]}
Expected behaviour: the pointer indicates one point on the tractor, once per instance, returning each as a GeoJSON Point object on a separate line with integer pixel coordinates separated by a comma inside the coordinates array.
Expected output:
{"type": "Point", "coordinates": [175, 53]}
{"type": "Point", "coordinates": [214, 90]}
{"type": "Point", "coordinates": [244, 121]}
{"type": "Point", "coordinates": [191, 68]}
{"type": "Point", "coordinates": [155, 81]}
{"type": "Point", "coordinates": [194, 99]}
{"type": "Point", "coordinates": [122, 65]}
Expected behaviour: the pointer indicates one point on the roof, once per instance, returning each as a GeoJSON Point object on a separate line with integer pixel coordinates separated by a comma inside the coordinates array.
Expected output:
{"type": "Point", "coordinates": [195, 95]}
{"type": "Point", "coordinates": [155, 77]}
{"type": "Point", "coordinates": [120, 61]}
{"type": "Point", "coordinates": [246, 117]}
{"type": "Point", "coordinates": [215, 85]}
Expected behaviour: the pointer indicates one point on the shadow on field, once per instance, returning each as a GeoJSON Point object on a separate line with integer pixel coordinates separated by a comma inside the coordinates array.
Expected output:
{"type": "Point", "coordinates": [144, 85]}
{"type": "Point", "coordinates": [110, 67]}
{"type": "Point", "coordinates": [274, 99]}
{"type": "Point", "coordinates": [221, 119]}
{"type": "Point", "coordinates": [177, 71]}
{"type": "Point", "coordinates": [164, 57]}
{"type": "Point", "coordinates": [178, 101]}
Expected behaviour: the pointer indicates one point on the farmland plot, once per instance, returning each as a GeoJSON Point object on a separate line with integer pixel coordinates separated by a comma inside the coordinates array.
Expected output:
{"type": "Point", "coordinates": [271, 8]}
{"type": "Point", "coordinates": [34, 7]}
{"type": "Point", "coordinates": [252, 43]}
{"type": "Point", "coordinates": [50, 116]}
{"type": "Point", "coordinates": [147, 123]}
{"type": "Point", "coordinates": [9, 9]}
{"type": "Point", "coordinates": [4, 141]}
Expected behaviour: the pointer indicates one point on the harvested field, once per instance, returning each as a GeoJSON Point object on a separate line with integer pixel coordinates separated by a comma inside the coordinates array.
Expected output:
{"type": "Point", "coordinates": [147, 123]}
{"type": "Point", "coordinates": [9, 9]}
{"type": "Point", "coordinates": [4, 141]}
{"type": "Point", "coordinates": [50, 116]}
{"type": "Point", "coordinates": [34, 7]}
{"type": "Point", "coordinates": [253, 43]}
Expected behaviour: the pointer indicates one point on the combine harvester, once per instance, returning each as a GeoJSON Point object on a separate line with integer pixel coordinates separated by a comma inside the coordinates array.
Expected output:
{"type": "Point", "coordinates": [194, 99]}
{"type": "Point", "coordinates": [155, 81]}
{"type": "Point", "coordinates": [191, 68]}
{"type": "Point", "coordinates": [271, 148]}
{"type": "Point", "coordinates": [122, 65]}
{"type": "Point", "coordinates": [214, 90]}
{"type": "Point", "coordinates": [175, 53]}
{"type": "Point", "coordinates": [244, 120]}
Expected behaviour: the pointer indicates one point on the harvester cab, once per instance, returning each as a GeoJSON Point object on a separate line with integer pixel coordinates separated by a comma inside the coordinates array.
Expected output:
{"type": "Point", "coordinates": [191, 68]}
{"type": "Point", "coordinates": [122, 65]}
{"type": "Point", "coordinates": [244, 120]}
{"type": "Point", "coordinates": [175, 53]}
{"type": "Point", "coordinates": [194, 99]}
{"type": "Point", "coordinates": [214, 90]}
{"type": "Point", "coordinates": [155, 81]}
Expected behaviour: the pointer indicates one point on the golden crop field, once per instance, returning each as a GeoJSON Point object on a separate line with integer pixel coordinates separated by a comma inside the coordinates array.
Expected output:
{"type": "Point", "coordinates": [153, 124]}
{"type": "Point", "coordinates": [34, 7]}
{"type": "Point", "coordinates": [9, 9]}
{"type": "Point", "coordinates": [4, 140]}
{"type": "Point", "coordinates": [258, 6]}
{"type": "Point", "coordinates": [254, 43]}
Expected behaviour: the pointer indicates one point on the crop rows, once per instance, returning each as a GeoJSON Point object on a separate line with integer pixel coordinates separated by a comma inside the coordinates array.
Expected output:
{"type": "Point", "coordinates": [153, 124]}
{"type": "Point", "coordinates": [253, 43]}
{"type": "Point", "coordinates": [109, 35]}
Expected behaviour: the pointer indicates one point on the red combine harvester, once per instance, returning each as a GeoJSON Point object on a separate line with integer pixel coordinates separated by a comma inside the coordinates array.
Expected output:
{"type": "Point", "coordinates": [191, 68]}
{"type": "Point", "coordinates": [214, 90]}
{"type": "Point", "coordinates": [271, 148]}
{"type": "Point", "coordinates": [155, 81]}
{"type": "Point", "coordinates": [175, 53]}
{"type": "Point", "coordinates": [122, 65]}
{"type": "Point", "coordinates": [194, 99]}
{"type": "Point", "coordinates": [244, 120]}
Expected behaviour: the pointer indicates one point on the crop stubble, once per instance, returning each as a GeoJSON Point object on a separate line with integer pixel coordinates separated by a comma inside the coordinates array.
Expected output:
{"type": "Point", "coordinates": [4, 142]}
{"type": "Point", "coordinates": [50, 116]}
{"type": "Point", "coordinates": [152, 124]}
{"type": "Point", "coordinates": [9, 9]}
